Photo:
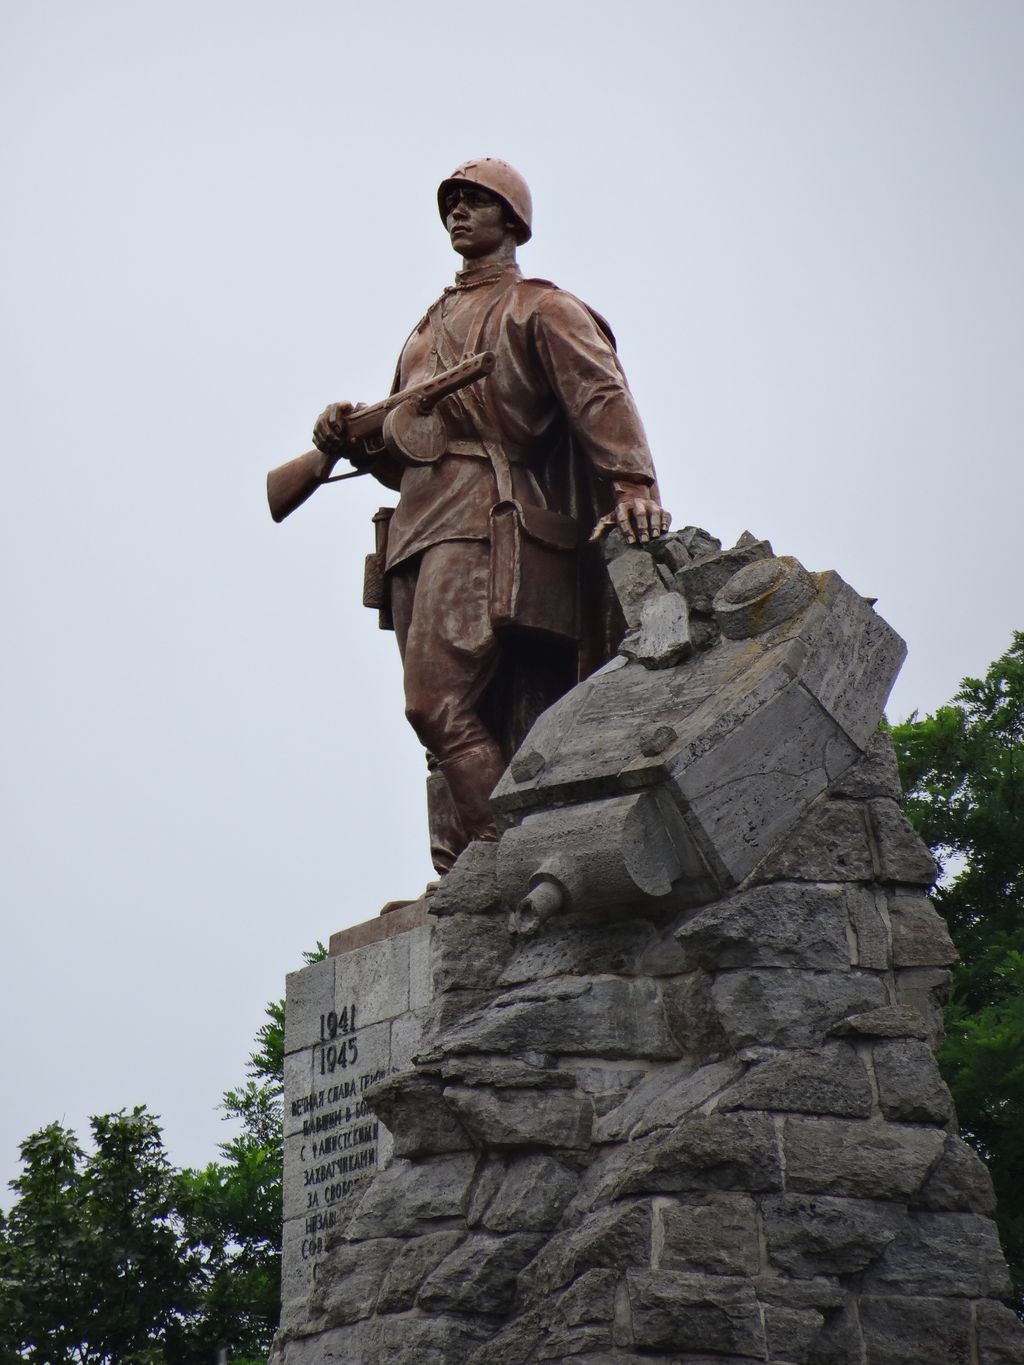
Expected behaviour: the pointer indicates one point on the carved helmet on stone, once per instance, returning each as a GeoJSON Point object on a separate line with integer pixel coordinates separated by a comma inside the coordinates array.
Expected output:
{"type": "Point", "coordinates": [503, 181]}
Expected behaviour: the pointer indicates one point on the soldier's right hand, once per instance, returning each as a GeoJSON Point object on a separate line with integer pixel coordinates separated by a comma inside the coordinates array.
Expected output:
{"type": "Point", "coordinates": [329, 431]}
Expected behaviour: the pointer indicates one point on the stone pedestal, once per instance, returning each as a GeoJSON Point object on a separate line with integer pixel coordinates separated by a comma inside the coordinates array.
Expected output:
{"type": "Point", "coordinates": [350, 1021]}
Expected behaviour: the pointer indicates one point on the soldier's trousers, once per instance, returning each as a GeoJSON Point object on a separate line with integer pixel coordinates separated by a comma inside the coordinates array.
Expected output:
{"type": "Point", "coordinates": [450, 655]}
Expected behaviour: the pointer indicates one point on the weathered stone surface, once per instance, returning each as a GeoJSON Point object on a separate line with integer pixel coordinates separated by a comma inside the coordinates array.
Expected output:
{"type": "Point", "coordinates": [1000, 1334]}
{"type": "Point", "coordinates": [400, 1340]}
{"type": "Point", "coordinates": [889, 1021]}
{"type": "Point", "coordinates": [514, 1344]}
{"type": "Point", "coordinates": [670, 1310]}
{"type": "Point", "coordinates": [603, 1018]}
{"type": "Point", "coordinates": [704, 1152]}
{"type": "Point", "coordinates": [960, 1182]}
{"type": "Point", "coordinates": [820, 1235]}
{"type": "Point", "coordinates": [578, 947]}
{"type": "Point", "coordinates": [925, 990]}
{"type": "Point", "coordinates": [522, 1117]}
{"type": "Point", "coordinates": [830, 844]}
{"type": "Point", "coordinates": [716, 1233]}
{"type": "Point", "coordinates": [699, 582]}
{"type": "Point", "coordinates": [920, 936]}
{"type": "Point", "coordinates": [943, 1253]}
{"type": "Point", "coordinates": [857, 1158]}
{"type": "Point", "coordinates": [663, 638]}
{"type": "Point", "coordinates": [414, 1262]}
{"type": "Point", "coordinates": [471, 887]}
{"type": "Point", "coordinates": [913, 1331]}
{"type": "Point", "coordinates": [870, 927]}
{"type": "Point", "coordinates": [590, 1298]}
{"type": "Point", "coordinates": [607, 1083]}
{"type": "Point", "coordinates": [910, 1089]}
{"type": "Point", "coordinates": [350, 1280]}
{"type": "Point", "coordinates": [479, 1276]}
{"type": "Point", "coordinates": [564, 1342]}
{"type": "Point", "coordinates": [790, 1008]}
{"type": "Point", "coordinates": [902, 854]}
{"type": "Point", "coordinates": [840, 1341]}
{"type": "Point", "coordinates": [535, 1190]}
{"type": "Point", "coordinates": [468, 952]}
{"type": "Point", "coordinates": [692, 1017]}
{"type": "Point", "coordinates": [412, 1106]}
{"type": "Point", "coordinates": [663, 1097]}
{"type": "Point", "coordinates": [770, 926]}
{"type": "Point", "coordinates": [635, 578]}
{"type": "Point", "coordinates": [791, 1332]}
{"type": "Point", "coordinates": [875, 775]}
{"type": "Point", "coordinates": [609, 1238]}
{"type": "Point", "coordinates": [407, 1195]}
{"type": "Point", "coordinates": [826, 1080]}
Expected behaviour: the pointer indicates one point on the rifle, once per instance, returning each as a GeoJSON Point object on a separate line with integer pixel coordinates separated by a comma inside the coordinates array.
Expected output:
{"type": "Point", "coordinates": [410, 428]}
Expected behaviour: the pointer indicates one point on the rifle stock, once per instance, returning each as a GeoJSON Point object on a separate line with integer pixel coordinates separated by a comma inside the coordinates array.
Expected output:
{"type": "Point", "coordinates": [289, 485]}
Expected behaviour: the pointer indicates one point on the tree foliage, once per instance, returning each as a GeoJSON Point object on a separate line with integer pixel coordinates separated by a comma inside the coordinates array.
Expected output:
{"type": "Point", "coordinates": [963, 774]}
{"type": "Point", "coordinates": [113, 1257]}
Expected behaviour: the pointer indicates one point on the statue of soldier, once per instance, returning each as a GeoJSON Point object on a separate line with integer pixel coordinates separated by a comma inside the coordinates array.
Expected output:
{"type": "Point", "coordinates": [498, 601]}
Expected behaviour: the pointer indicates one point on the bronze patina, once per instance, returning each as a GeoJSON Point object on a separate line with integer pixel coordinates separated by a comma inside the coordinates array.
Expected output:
{"type": "Point", "coordinates": [487, 568]}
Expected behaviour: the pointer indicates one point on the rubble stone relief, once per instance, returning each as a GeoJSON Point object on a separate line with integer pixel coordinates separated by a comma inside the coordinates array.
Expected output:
{"type": "Point", "coordinates": [669, 1092]}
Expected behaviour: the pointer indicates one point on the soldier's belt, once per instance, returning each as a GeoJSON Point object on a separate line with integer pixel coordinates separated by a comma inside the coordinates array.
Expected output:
{"type": "Point", "coordinates": [476, 451]}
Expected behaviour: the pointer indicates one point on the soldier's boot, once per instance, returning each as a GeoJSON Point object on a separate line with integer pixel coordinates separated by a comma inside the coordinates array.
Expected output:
{"type": "Point", "coordinates": [471, 777]}
{"type": "Point", "coordinates": [447, 837]}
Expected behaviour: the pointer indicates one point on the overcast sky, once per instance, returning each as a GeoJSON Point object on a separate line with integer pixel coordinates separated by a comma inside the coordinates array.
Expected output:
{"type": "Point", "coordinates": [804, 220]}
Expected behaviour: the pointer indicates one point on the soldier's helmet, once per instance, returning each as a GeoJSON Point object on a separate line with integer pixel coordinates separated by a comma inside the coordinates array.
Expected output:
{"type": "Point", "coordinates": [502, 180]}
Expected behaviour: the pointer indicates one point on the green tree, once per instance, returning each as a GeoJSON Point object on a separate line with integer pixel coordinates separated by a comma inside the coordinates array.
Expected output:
{"type": "Point", "coordinates": [963, 775]}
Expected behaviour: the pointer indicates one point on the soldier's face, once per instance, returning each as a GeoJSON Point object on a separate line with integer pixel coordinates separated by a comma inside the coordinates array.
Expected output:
{"type": "Point", "coordinates": [476, 221]}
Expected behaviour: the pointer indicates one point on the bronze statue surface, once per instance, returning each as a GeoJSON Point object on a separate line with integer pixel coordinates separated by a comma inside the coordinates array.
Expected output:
{"type": "Point", "coordinates": [487, 568]}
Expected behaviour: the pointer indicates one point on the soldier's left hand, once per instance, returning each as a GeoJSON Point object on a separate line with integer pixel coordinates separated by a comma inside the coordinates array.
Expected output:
{"type": "Point", "coordinates": [638, 517]}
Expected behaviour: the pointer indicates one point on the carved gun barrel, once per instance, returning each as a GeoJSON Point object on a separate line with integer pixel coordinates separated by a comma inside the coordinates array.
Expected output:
{"type": "Point", "coordinates": [418, 434]}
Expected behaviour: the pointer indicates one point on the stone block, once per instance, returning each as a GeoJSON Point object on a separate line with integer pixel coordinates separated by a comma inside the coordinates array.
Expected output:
{"type": "Point", "coordinates": [413, 1108]}
{"type": "Point", "coordinates": [535, 1190]}
{"type": "Point", "coordinates": [736, 1152]}
{"type": "Point", "coordinates": [373, 981]}
{"type": "Point", "coordinates": [811, 1235]}
{"type": "Point", "coordinates": [828, 1080]}
{"type": "Point", "coordinates": [479, 1276]}
{"type": "Point", "coordinates": [692, 1017]}
{"type": "Point", "coordinates": [471, 887]}
{"type": "Point", "coordinates": [960, 1182]}
{"type": "Point", "coordinates": [416, 1260]}
{"type": "Point", "coordinates": [576, 946]}
{"type": "Point", "coordinates": [514, 1344]}
{"type": "Point", "coordinates": [706, 1312]}
{"type": "Point", "coordinates": [831, 844]}
{"type": "Point", "coordinates": [468, 952]}
{"type": "Point", "coordinates": [699, 582]}
{"type": "Point", "coordinates": [876, 774]}
{"type": "Point", "coordinates": [420, 988]}
{"type": "Point", "coordinates": [926, 991]}
{"type": "Point", "coordinates": [299, 1091]}
{"type": "Point", "coordinates": [791, 1332]}
{"type": "Point", "coordinates": [840, 1341]}
{"type": "Point", "coordinates": [590, 1298]}
{"type": "Point", "coordinates": [407, 1038]}
{"type": "Point", "coordinates": [634, 576]}
{"type": "Point", "coordinates": [769, 926]}
{"type": "Point", "coordinates": [349, 1281]}
{"type": "Point", "coordinates": [664, 1097]}
{"type": "Point", "coordinates": [920, 936]}
{"type": "Point", "coordinates": [869, 919]}
{"type": "Point", "coordinates": [889, 1021]}
{"type": "Point", "coordinates": [406, 1197]}
{"type": "Point", "coordinates": [663, 639]}
{"type": "Point", "coordinates": [716, 1234]}
{"type": "Point", "coordinates": [853, 657]}
{"type": "Point", "coordinates": [309, 993]}
{"type": "Point", "coordinates": [910, 1089]}
{"type": "Point", "coordinates": [609, 1239]}
{"type": "Point", "coordinates": [903, 855]}
{"type": "Point", "coordinates": [857, 1158]}
{"type": "Point", "coordinates": [589, 1017]}
{"type": "Point", "coordinates": [782, 1007]}
{"type": "Point", "coordinates": [896, 1328]}
{"type": "Point", "coordinates": [522, 1117]}
{"type": "Point", "coordinates": [943, 1253]}
{"type": "Point", "coordinates": [1000, 1335]}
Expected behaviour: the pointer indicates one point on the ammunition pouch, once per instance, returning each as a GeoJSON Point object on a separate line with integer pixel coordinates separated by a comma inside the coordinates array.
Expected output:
{"type": "Point", "coordinates": [376, 589]}
{"type": "Point", "coordinates": [534, 580]}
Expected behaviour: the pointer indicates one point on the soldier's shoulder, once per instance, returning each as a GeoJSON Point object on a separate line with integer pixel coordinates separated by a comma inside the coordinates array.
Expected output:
{"type": "Point", "coordinates": [550, 297]}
